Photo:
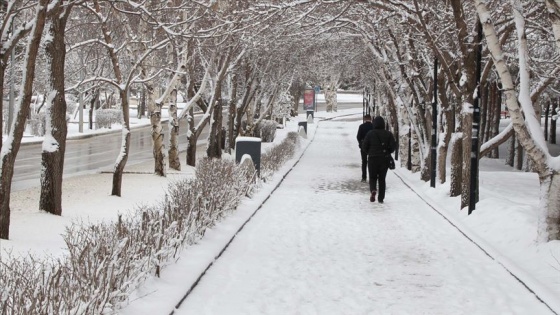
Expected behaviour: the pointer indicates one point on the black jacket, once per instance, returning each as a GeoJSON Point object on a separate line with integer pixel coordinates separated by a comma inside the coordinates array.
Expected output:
{"type": "Point", "coordinates": [362, 132]}
{"type": "Point", "coordinates": [379, 142]}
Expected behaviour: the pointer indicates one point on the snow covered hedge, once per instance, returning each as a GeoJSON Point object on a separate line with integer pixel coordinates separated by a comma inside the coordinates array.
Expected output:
{"type": "Point", "coordinates": [106, 261]}
{"type": "Point", "coordinates": [104, 118]}
{"type": "Point", "coordinates": [266, 130]}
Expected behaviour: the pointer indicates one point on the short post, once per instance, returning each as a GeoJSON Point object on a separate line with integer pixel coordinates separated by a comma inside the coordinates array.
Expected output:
{"type": "Point", "coordinates": [304, 125]}
{"type": "Point", "coordinates": [310, 116]}
{"type": "Point", "coordinates": [250, 146]}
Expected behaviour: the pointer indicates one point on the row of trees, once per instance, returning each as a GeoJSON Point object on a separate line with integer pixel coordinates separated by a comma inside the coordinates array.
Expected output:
{"type": "Point", "coordinates": [520, 49]}
{"type": "Point", "coordinates": [249, 56]}
{"type": "Point", "coordinates": [236, 55]}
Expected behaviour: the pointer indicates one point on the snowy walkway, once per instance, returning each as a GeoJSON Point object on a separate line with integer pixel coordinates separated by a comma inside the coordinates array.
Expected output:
{"type": "Point", "coordinates": [318, 246]}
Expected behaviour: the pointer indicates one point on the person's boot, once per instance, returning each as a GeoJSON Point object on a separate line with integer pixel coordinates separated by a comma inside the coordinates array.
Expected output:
{"type": "Point", "coordinates": [372, 197]}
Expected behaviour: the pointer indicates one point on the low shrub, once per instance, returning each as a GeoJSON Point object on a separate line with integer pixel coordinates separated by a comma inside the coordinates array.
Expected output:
{"type": "Point", "coordinates": [274, 158]}
{"type": "Point", "coordinates": [104, 118]}
{"type": "Point", "coordinates": [266, 130]}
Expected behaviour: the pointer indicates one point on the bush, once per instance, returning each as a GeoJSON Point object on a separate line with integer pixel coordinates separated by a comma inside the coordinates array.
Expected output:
{"type": "Point", "coordinates": [38, 124]}
{"type": "Point", "coordinates": [71, 107]}
{"type": "Point", "coordinates": [106, 261]}
{"type": "Point", "coordinates": [104, 118]}
{"type": "Point", "coordinates": [274, 158]}
{"type": "Point", "coordinates": [266, 130]}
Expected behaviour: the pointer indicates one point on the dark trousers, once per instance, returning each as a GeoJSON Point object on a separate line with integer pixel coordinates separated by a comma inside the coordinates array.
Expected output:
{"type": "Point", "coordinates": [364, 164]}
{"type": "Point", "coordinates": [377, 166]}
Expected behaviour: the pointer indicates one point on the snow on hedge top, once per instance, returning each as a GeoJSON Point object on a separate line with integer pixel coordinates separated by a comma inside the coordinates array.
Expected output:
{"type": "Point", "coordinates": [247, 139]}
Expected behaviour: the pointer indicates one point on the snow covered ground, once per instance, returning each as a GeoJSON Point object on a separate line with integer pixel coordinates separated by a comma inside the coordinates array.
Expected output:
{"type": "Point", "coordinates": [318, 246]}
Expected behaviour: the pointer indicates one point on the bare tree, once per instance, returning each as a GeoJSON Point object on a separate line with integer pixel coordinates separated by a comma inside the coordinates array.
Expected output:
{"type": "Point", "coordinates": [9, 152]}
{"type": "Point", "coordinates": [54, 145]}
{"type": "Point", "coordinates": [532, 142]}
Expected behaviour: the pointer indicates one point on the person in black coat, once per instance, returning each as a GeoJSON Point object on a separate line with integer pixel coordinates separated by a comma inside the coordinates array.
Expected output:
{"type": "Point", "coordinates": [377, 144]}
{"type": "Point", "coordinates": [362, 131]}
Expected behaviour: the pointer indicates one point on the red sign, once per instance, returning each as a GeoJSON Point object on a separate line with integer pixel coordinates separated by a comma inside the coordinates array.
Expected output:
{"type": "Point", "coordinates": [308, 98]}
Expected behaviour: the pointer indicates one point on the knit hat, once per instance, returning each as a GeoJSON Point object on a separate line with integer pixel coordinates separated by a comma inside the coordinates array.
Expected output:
{"type": "Point", "coordinates": [378, 123]}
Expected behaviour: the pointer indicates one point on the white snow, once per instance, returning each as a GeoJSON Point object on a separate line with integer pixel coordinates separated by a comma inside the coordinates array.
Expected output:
{"type": "Point", "coordinates": [247, 139]}
{"type": "Point", "coordinates": [318, 246]}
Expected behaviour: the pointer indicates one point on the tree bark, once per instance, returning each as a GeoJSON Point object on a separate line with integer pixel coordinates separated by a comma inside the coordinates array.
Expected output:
{"type": "Point", "coordinates": [230, 137]}
{"type": "Point", "coordinates": [154, 112]}
{"type": "Point", "coordinates": [174, 161]}
{"type": "Point", "coordinates": [2, 78]}
{"type": "Point", "coordinates": [214, 138]}
{"type": "Point", "coordinates": [510, 160]}
{"type": "Point", "coordinates": [549, 207]}
{"type": "Point", "coordinates": [484, 110]}
{"type": "Point", "coordinates": [456, 165]}
{"type": "Point", "coordinates": [552, 135]}
{"type": "Point", "coordinates": [296, 91]}
{"type": "Point", "coordinates": [444, 146]}
{"type": "Point", "coordinates": [125, 147]}
{"type": "Point", "coordinates": [546, 114]}
{"type": "Point", "coordinates": [466, 126]}
{"type": "Point", "coordinates": [518, 156]}
{"type": "Point", "coordinates": [416, 158]}
{"type": "Point", "coordinates": [496, 123]}
{"type": "Point", "coordinates": [191, 139]}
{"type": "Point", "coordinates": [54, 146]}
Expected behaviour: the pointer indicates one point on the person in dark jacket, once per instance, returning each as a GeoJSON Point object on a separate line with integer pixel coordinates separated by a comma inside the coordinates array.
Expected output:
{"type": "Point", "coordinates": [362, 131]}
{"type": "Point", "coordinates": [377, 144]}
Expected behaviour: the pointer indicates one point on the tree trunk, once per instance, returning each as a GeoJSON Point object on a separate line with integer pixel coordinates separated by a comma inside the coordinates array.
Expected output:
{"type": "Point", "coordinates": [94, 98]}
{"type": "Point", "coordinates": [125, 148]}
{"type": "Point", "coordinates": [491, 101]}
{"type": "Point", "coordinates": [546, 114]}
{"type": "Point", "coordinates": [174, 161]}
{"type": "Point", "coordinates": [549, 208]}
{"type": "Point", "coordinates": [213, 149]}
{"type": "Point", "coordinates": [154, 112]}
{"type": "Point", "coordinates": [466, 126]}
{"type": "Point", "coordinates": [403, 147]}
{"type": "Point", "coordinates": [230, 137]}
{"type": "Point", "coordinates": [425, 172]}
{"type": "Point", "coordinates": [484, 110]}
{"type": "Point", "coordinates": [518, 156]}
{"type": "Point", "coordinates": [334, 98]}
{"type": "Point", "coordinates": [54, 146]}
{"type": "Point", "coordinates": [510, 160]}
{"type": "Point", "coordinates": [330, 98]}
{"type": "Point", "coordinates": [141, 108]}
{"type": "Point", "coordinates": [2, 78]}
{"type": "Point", "coordinates": [456, 165]}
{"type": "Point", "coordinates": [497, 112]}
{"type": "Point", "coordinates": [8, 156]}
{"type": "Point", "coordinates": [296, 92]}
{"type": "Point", "coordinates": [416, 159]}
{"type": "Point", "coordinates": [552, 135]}
{"type": "Point", "coordinates": [120, 163]}
{"type": "Point", "coordinates": [443, 148]}
{"type": "Point", "coordinates": [191, 139]}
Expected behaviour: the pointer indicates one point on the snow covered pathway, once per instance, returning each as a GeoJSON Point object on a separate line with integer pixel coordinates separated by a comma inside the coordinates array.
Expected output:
{"type": "Point", "coordinates": [318, 246]}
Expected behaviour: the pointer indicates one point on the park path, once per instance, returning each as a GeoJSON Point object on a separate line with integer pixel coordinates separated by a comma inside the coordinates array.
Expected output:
{"type": "Point", "coordinates": [319, 246]}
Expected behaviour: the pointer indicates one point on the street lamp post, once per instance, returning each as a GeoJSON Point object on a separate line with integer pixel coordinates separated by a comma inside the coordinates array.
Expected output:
{"type": "Point", "coordinates": [434, 128]}
{"type": "Point", "coordinates": [475, 126]}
